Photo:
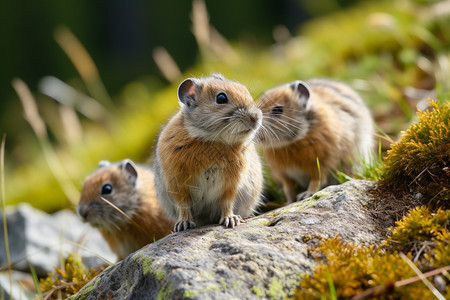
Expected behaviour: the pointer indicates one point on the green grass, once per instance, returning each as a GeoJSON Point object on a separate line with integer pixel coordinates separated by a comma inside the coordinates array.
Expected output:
{"type": "Point", "coordinates": [379, 61]}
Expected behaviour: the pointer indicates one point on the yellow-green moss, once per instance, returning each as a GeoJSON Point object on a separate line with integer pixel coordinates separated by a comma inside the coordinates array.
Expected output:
{"type": "Point", "coordinates": [275, 290]}
{"type": "Point", "coordinates": [422, 230]}
{"type": "Point", "coordinates": [258, 292]}
{"type": "Point", "coordinates": [419, 161]}
{"type": "Point", "coordinates": [190, 293]}
{"type": "Point", "coordinates": [146, 264]}
{"type": "Point", "coordinates": [353, 270]}
{"type": "Point", "coordinates": [165, 292]}
{"type": "Point", "coordinates": [69, 279]}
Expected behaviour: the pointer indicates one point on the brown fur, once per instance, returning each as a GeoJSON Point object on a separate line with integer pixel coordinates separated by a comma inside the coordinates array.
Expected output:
{"type": "Point", "coordinates": [332, 127]}
{"type": "Point", "coordinates": [138, 201]}
{"type": "Point", "coordinates": [188, 154]}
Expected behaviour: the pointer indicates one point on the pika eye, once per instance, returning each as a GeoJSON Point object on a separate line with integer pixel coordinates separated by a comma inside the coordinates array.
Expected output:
{"type": "Point", "coordinates": [277, 110]}
{"type": "Point", "coordinates": [107, 189]}
{"type": "Point", "coordinates": [221, 98]}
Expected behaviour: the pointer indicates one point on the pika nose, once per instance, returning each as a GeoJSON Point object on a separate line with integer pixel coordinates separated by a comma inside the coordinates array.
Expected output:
{"type": "Point", "coordinates": [83, 211]}
{"type": "Point", "coordinates": [255, 116]}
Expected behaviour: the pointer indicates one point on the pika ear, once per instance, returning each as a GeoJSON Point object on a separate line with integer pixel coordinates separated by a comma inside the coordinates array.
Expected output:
{"type": "Point", "coordinates": [187, 93]}
{"type": "Point", "coordinates": [302, 90]}
{"type": "Point", "coordinates": [128, 166]}
{"type": "Point", "coordinates": [103, 163]}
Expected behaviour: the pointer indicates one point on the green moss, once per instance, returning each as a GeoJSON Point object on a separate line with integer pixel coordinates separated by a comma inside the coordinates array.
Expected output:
{"type": "Point", "coordinates": [275, 290]}
{"type": "Point", "coordinates": [146, 264]}
{"type": "Point", "coordinates": [203, 291]}
{"type": "Point", "coordinates": [84, 292]}
{"type": "Point", "coordinates": [258, 292]}
{"type": "Point", "coordinates": [69, 279]}
{"type": "Point", "coordinates": [419, 161]}
{"type": "Point", "coordinates": [190, 293]}
{"type": "Point", "coordinates": [165, 292]}
{"type": "Point", "coordinates": [351, 270]}
{"type": "Point", "coordinates": [423, 229]}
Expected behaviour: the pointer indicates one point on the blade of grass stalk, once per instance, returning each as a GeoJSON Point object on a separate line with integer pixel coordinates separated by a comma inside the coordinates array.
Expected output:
{"type": "Point", "coordinates": [84, 64]}
{"type": "Point", "coordinates": [400, 283]}
{"type": "Point", "coordinates": [422, 277]}
{"type": "Point", "coordinates": [383, 135]}
{"type": "Point", "coordinates": [68, 96]}
{"type": "Point", "coordinates": [35, 280]}
{"type": "Point", "coordinates": [166, 64]}
{"type": "Point", "coordinates": [200, 25]}
{"type": "Point", "coordinates": [89, 250]}
{"type": "Point", "coordinates": [37, 124]}
{"type": "Point", "coordinates": [5, 228]}
{"type": "Point", "coordinates": [333, 295]}
{"type": "Point", "coordinates": [128, 218]}
{"type": "Point", "coordinates": [320, 175]}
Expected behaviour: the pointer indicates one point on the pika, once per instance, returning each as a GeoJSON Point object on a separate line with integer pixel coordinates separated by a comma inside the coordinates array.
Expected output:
{"type": "Point", "coordinates": [207, 169]}
{"type": "Point", "coordinates": [119, 199]}
{"type": "Point", "coordinates": [310, 128]}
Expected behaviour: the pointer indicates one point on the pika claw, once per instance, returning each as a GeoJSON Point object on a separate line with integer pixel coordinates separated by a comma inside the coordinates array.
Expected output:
{"type": "Point", "coordinates": [184, 225]}
{"type": "Point", "coordinates": [231, 221]}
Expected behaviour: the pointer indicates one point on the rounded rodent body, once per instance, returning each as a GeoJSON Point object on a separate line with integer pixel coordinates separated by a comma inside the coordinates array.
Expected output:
{"type": "Point", "coordinates": [317, 120]}
{"type": "Point", "coordinates": [129, 188]}
{"type": "Point", "coordinates": [206, 166]}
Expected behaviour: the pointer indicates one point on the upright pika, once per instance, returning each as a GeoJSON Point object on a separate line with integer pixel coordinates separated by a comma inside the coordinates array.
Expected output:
{"type": "Point", "coordinates": [206, 166]}
{"type": "Point", "coordinates": [304, 122]}
{"type": "Point", "coordinates": [129, 188]}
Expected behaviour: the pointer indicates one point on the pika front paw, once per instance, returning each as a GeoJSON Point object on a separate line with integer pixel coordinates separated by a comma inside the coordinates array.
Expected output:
{"type": "Point", "coordinates": [180, 226]}
{"type": "Point", "coordinates": [231, 221]}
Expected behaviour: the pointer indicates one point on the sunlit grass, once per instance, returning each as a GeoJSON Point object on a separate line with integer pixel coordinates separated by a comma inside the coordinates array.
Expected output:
{"type": "Point", "coordinates": [5, 227]}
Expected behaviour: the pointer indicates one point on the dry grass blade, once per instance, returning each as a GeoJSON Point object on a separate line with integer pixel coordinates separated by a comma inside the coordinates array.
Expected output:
{"type": "Point", "coordinates": [68, 96]}
{"type": "Point", "coordinates": [166, 64]}
{"type": "Point", "coordinates": [129, 219]}
{"type": "Point", "coordinates": [200, 24]}
{"type": "Point", "coordinates": [89, 250]}
{"type": "Point", "coordinates": [37, 124]}
{"type": "Point", "coordinates": [5, 228]}
{"type": "Point", "coordinates": [30, 108]}
{"type": "Point", "coordinates": [422, 277]}
{"type": "Point", "coordinates": [400, 283]}
{"type": "Point", "coordinates": [83, 63]}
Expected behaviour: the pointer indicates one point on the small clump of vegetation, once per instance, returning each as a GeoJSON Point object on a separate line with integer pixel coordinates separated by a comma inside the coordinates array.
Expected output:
{"type": "Point", "coordinates": [423, 234]}
{"type": "Point", "coordinates": [68, 279]}
{"type": "Point", "coordinates": [418, 163]}
{"type": "Point", "coordinates": [345, 270]}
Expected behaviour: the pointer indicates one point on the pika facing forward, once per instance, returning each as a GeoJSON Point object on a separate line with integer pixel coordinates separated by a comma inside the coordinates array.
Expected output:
{"type": "Point", "coordinates": [129, 188]}
{"type": "Point", "coordinates": [309, 124]}
{"type": "Point", "coordinates": [206, 166]}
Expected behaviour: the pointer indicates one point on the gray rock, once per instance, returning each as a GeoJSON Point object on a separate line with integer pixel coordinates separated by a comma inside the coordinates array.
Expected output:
{"type": "Point", "coordinates": [17, 285]}
{"type": "Point", "coordinates": [263, 258]}
{"type": "Point", "coordinates": [40, 239]}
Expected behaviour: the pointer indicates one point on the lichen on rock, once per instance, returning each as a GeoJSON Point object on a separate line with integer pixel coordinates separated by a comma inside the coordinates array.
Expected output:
{"type": "Point", "coordinates": [263, 257]}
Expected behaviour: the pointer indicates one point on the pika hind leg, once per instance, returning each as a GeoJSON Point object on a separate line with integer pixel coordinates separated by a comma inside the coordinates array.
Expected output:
{"type": "Point", "coordinates": [314, 186]}
{"type": "Point", "coordinates": [288, 189]}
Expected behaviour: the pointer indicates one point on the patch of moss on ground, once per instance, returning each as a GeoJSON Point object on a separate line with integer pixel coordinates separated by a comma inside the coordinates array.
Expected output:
{"type": "Point", "coordinates": [353, 270]}
{"type": "Point", "coordinates": [258, 292]}
{"type": "Point", "coordinates": [195, 293]}
{"type": "Point", "coordinates": [165, 292]}
{"type": "Point", "coordinates": [146, 264]}
{"type": "Point", "coordinates": [275, 290]}
{"type": "Point", "coordinates": [418, 163]}
{"type": "Point", "coordinates": [68, 279]}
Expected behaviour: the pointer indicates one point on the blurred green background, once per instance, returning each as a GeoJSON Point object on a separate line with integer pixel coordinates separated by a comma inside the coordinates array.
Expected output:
{"type": "Point", "coordinates": [395, 53]}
